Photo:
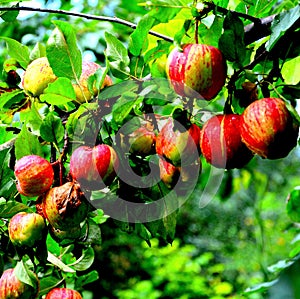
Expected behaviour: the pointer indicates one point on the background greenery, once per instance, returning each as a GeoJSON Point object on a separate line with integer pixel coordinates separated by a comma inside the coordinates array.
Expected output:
{"type": "Point", "coordinates": [242, 240]}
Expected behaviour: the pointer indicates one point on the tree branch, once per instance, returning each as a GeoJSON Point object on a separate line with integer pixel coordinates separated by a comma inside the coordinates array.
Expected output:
{"type": "Point", "coordinates": [85, 16]}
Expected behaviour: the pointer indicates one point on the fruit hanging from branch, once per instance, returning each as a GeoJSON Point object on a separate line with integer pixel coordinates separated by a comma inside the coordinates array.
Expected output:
{"type": "Point", "coordinates": [268, 128]}
{"type": "Point", "coordinates": [221, 143]}
{"type": "Point", "coordinates": [94, 167]}
{"type": "Point", "coordinates": [177, 144]}
{"type": "Point", "coordinates": [63, 293]}
{"type": "Point", "coordinates": [65, 207]}
{"type": "Point", "coordinates": [197, 70]}
{"type": "Point", "coordinates": [26, 229]}
{"type": "Point", "coordinates": [12, 288]}
{"type": "Point", "coordinates": [34, 175]}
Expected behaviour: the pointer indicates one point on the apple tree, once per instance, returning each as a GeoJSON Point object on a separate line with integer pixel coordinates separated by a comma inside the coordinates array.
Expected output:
{"type": "Point", "coordinates": [126, 135]}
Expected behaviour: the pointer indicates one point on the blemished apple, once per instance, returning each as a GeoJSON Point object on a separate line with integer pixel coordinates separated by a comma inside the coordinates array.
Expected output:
{"type": "Point", "coordinates": [34, 175]}
{"type": "Point", "coordinates": [221, 143]}
{"type": "Point", "coordinates": [177, 144]}
{"type": "Point", "coordinates": [197, 70]}
{"type": "Point", "coordinates": [268, 128]}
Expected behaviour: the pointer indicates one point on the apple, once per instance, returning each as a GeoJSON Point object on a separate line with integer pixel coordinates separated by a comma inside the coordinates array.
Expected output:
{"type": "Point", "coordinates": [65, 206]}
{"type": "Point", "coordinates": [12, 288]}
{"type": "Point", "coordinates": [92, 167]}
{"type": "Point", "coordinates": [82, 91]}
{"type": "Point", "coordinates": [169, 174]}
{"type": "Point", "coordinates": [197, 70]}
{"type": "Point", "coordinates": [37, 76]}
{"type": "Point", "coordinates": [26, 229]}
{"type": "Point", "coordinates": [34, 175]}
{"type": "Point", "coordinates": [221, 143]}
{"type": "Point", "coordinates": [63, 293]}
{"type": "Point", "coordinates": [268, 128]}
{"type": "Point", "coordinates": [177, 144]}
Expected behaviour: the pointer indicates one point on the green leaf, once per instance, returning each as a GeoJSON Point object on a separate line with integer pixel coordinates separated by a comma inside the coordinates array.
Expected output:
{"type": "Point", "coordinates": [293, 205]}
{"type": "Point", "coordinates": [85, 261]}
{"type": "Point", "coordinates": [117, 56]}
{"type": "Point", "coordinates": [9, 99]}
{"type": "Point", "coordinates": [94, 234]}
{"type": "Point", "coordinates": [10, 208]}
{"type": "Point", "coordinates": [182, 32]}
{"type": "Point", "coordinates": [52, 129]}
{"type": "Point", "coordinates": [32, 118]}
{"type": "Point", "coordinates": [231, 42]}
{"type": "Point", "coordinates": [48, 283]}
{"type": "Point", "coordinates": [7, 183]}
{"type": "Point", "coordinates": [58, 263]}
{"type": "Point", "coordinates": [281, 24]}
{"type": "Point", "coordinates": [38, 51]}
{"type": "Point", "coordinates": [27, 144]}
{"type": "Point", "coordinates": [262, 287]}
{"type": "Point", "coordinates": [18, 51]}
{"type": "Point", "coordinates": [9, 16]}
{"type": "Point", "coordinates": [86, 279]}
{"type": "Point", "coordinates": [59, 92]}
{"type": "Point", "coordinates": [25, 275]}
{"type": "Point", "coordinates": [138, 40]}
{"type": "Point", "coordinates": [63, 53]}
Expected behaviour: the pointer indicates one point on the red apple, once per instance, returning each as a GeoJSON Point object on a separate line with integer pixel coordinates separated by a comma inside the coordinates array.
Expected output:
{"type": "Point", "coordinates": [64, 207]}
{"type": "Point", "coordinates": [63, 293]}
{"type": "Point", "coordinates": [34, 175]}
{"type": "Point", "coordinates": [12, 288]}
{"type": "Point", "coordinates": [268, 128]}
{"type": "Point", "coordinates": [26, 229]}
{"type": "Point", "coordinates": [82, 91]}
{"type": "Point", "coordinates": [178, 145]}
{"type": "Point", "coordinates": [197, 70]}
{"type": "Point", "coordinates": [221, 142]}
{"type": "Point", "coordinates": [92, 167]}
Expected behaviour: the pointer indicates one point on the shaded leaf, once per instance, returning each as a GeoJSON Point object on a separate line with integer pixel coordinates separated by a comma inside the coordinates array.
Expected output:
{"type": "Point", "coordinates": [52, 129]}
{"type": "Point", "coordinates": [10, 208]}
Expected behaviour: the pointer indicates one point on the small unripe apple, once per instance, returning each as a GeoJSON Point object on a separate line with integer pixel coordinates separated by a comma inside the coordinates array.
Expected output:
{"type": "Point", "coordinates": [26, 229]}
{"type": "Point", "coordinates": [12, 288]}
{"type": "Point", "coordinates": [178, 145]}
{"type": "Point", "coordinates": [268, 128]}
{"type": "Point", "coordinates": [34, 175]}
{"type": "Point", "coordinates": [92, 167]}
{"type": "Point", "coordinates": [169, 174]}
{"type": "Point", "coordinates": [65, 206]}
{"type": "Point", "coordinates": [37, 76]}
{"type": "Point", "coordinates": [63, 293]}
{"type": "Point", "coordinates": [82, 91]}
{"type": "Point", "coordinates": [221, 142]}
{"type": "Point", "coordinates": [197, 70]}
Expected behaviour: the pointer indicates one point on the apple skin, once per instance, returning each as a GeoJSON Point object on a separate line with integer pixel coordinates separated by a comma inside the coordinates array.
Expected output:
{"type": "Point", "coordinates": [169, 174]}
{"type": "Point", "coordinates": [37, 76]}
{"type": "Point", "coordinates": [179, 146]}
{"type": "Point", "coordinates": [34, 175]}
{"type": "Point", "coordinates": [268, 129]}
{"type": "Point", "coordinates": [197, 70]}
{"type": "Point", "coordinates": [221, 143]}
{"type": "Point", "coordinates": [92, 167]}
{"type": "Point", "coordinates": [83, 94]}
{"type": "Point", "coordinates": [63, 293]}
{"type": "Point", "coordinates": [26, 229]}
{"type": "Point", "coordinates": [64, 207]}
{"type": "Point", "coordinates": [12, 288]}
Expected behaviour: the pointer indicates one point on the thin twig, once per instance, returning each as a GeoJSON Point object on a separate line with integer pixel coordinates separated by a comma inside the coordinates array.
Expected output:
{"type": "Point", "coordinates": [86, 16]}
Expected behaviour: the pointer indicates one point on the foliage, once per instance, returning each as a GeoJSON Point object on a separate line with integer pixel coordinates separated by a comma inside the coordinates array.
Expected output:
{"type": "Point", "coordinates": [233, 237]}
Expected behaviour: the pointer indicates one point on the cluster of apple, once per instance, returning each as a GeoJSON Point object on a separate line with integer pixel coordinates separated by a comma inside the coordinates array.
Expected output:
{"type": "Point", "coordinates": [266, 127]}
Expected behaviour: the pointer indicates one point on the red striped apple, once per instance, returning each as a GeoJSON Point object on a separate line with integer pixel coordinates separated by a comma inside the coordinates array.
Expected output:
{"type": "Point", "coordinates": [63, 293]}
{"type": "Point", "coordinates": [169, 174]}
{"type": "Point", "coordinates": [178, 145]}
{"type": "Point", "coordinates": [268, 128]}
{"type": "Point", "coordinates": [34, 175]}
{"type": "Point", "coordinates": [92, 167]}
{"type": "Point", "coordinates": [197, 70]}
{"type": "Point", "coordinates": [221, 143]}
{"type": "Point", "coordinates": [12, 288]}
